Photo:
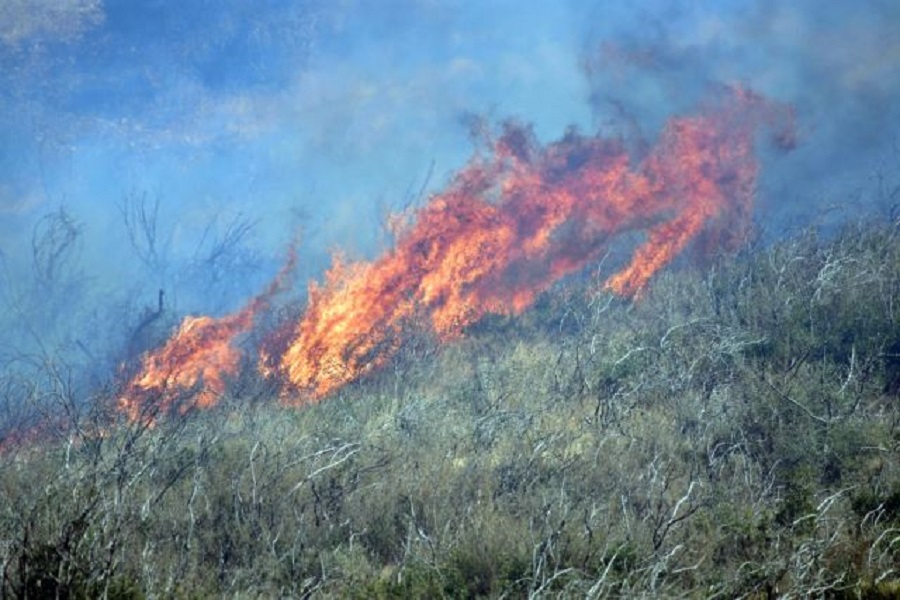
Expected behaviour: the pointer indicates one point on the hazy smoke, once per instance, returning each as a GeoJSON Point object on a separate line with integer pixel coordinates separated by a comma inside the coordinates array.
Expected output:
{"type": "Point", "coordinates": [832, 62]}
{"type": "Point", "coordinates": [249, 120]}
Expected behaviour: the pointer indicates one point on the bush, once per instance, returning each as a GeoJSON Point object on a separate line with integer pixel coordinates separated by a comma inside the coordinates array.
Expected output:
{"type": "Point", "coordinates": [732, 434]}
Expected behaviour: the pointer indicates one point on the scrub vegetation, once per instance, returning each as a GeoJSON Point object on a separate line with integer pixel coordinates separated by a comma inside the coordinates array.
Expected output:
{"type": "Point", "coordinates": [735, 432]}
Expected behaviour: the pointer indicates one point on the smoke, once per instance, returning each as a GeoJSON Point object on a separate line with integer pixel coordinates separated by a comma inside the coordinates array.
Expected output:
{"type": "Point", "coordinates": [247, 121]}
{"type": "Point", "coordinates": [832, 63]}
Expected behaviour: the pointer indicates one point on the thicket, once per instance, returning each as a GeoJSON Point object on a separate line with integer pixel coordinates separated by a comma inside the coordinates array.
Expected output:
{"type": "Point", "coordinates": [734, 433]}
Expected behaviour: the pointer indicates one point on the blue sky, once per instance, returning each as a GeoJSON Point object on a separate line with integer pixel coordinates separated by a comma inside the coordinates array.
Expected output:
{"type": "Point", "coordinates": [323, 114]}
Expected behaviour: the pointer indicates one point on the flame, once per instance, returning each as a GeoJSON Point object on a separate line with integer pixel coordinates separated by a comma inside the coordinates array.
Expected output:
{"type": "Point", "coordinates": [512, 223]}
{"type": "Point", "coordinates": [200, 354]}
{"type": "Point", "coordinates": [192, 368]}
{"type": "Point", "coordinates": [509, 225]}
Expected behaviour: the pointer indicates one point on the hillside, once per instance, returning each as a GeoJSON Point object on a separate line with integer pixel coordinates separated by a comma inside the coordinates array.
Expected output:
{"type": "Point", "coordinates": [733, 432]}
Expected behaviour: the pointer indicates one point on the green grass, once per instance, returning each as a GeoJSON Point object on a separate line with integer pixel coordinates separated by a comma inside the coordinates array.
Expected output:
{"type": "Point", "coordinates": [732, 434]}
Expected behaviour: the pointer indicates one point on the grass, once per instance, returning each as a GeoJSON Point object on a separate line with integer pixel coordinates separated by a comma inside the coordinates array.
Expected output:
{"type": "Point", "coordinates": [732, 434]}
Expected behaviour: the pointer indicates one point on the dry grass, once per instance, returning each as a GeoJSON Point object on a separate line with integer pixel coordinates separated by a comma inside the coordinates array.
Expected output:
{"type": "Point", "coordinates": [733, 434]}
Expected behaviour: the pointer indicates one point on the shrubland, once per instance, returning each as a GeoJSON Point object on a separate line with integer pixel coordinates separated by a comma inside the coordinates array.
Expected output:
{"type": "Point", "coordinates": [734, 432]}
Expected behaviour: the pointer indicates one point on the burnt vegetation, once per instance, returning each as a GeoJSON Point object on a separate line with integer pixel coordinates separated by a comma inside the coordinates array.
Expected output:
{"type": "Point", "coordinates": [733, 433]}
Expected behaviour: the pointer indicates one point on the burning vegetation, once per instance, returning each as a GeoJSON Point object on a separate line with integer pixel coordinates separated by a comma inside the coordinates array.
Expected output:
{"type": "Point", "coordinates": [192, 367]}
{"type": "Point", "coordinates": [516, 219]}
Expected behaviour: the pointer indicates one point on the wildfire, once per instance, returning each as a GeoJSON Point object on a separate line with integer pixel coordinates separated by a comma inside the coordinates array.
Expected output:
{"type": "Point", "coordinates": [192, 368]}
{"type": "Point", "coordinates": [199, 355]}
{"type": "Point", "coordinates": [509, 224]}
{"type": "Point", "coordinates": [512, 223]}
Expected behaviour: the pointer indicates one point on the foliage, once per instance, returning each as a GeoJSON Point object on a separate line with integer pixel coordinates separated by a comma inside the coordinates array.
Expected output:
{"type": "Point", "coordinates": [732, 434]}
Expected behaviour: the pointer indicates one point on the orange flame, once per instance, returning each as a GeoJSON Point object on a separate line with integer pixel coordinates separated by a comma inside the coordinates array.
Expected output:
{"type": "Point", "coordinates": [511, 224]}
{"type": "Point", "coordinates": [506, 228]}
{"type": "Point", "coordinates": [200, 353]}
{"type": "Point", "coordinates": [196, 361]}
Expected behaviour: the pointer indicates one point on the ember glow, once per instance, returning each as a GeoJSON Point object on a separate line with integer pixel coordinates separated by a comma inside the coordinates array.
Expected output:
{"type": "Point", "coordinates": [509, 225]}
